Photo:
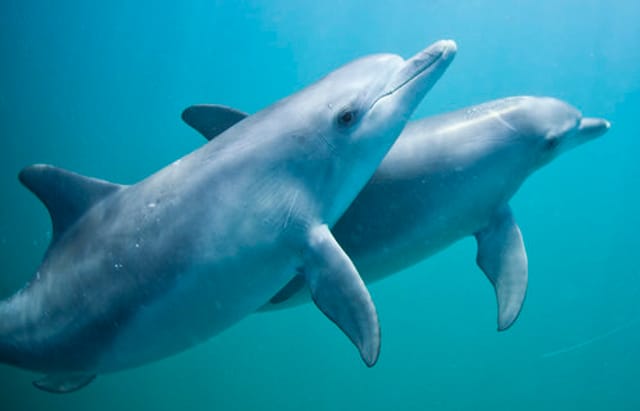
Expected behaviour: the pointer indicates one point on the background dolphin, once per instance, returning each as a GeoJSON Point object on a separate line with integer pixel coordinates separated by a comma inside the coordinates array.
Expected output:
{"type": "Point", "coordinates": [447, 177]}
{"type": "Point", "coordinates": [134, 274]}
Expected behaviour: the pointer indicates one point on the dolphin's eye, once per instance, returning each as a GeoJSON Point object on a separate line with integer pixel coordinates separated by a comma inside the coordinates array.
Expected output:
{"type": "Point", "coordinates": [347, 117]}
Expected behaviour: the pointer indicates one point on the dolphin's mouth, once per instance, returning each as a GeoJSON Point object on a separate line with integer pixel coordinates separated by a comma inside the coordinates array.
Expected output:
{"type": "Point", "coordinates": [421, 62]}
{"type": "Point", "coordinates": [433, 59]}
{"type": "Point", "coordinates": [591, 128]}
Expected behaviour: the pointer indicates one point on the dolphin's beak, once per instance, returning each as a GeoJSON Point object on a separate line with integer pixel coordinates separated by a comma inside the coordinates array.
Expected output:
{"type": "Point", "coordinates": [416, 77]}
{"type": "Point", "coordinates": [591, 128]}
{"type": "Point", "coordinates": [430, 62]}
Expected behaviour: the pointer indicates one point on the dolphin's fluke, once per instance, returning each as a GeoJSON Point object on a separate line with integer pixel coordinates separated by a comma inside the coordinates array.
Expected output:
{"type": "Point", "coordinates": [63, 384]}
{"type": "Point", "coordinates": [211, 120]}
{"type": "Point", "coordinates": [66, 195]}
{"type": "Point", "coordinates": [502, 257]}
{"type": "Point", "coordinates": [338, 290]}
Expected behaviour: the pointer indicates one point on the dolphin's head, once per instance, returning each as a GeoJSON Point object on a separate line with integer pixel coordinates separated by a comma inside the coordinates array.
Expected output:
{"type": "Point", "coordinates": [373, 97]}
{"type": "Point", "coordinates": [355, 114]}
{"type": "Point", "coordinates": [552, 126]}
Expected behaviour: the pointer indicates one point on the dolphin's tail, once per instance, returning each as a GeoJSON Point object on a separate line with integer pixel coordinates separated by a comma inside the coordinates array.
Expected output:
{"type": "Point", "coordinates": [9, 347]}
{"type": "Point", "coordinates": [4, 346]}
{"type": "Point", "coordinates": [4, 332]}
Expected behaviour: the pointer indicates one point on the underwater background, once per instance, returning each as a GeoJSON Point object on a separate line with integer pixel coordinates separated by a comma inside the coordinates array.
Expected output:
{"type": "Point", "coordinates": [98, 88]}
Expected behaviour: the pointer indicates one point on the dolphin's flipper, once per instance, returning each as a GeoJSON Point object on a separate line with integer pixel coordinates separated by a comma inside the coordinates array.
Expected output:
{"type": "Point", "coordinates": [66, 195]}
{"type": "Point", "coordinates": [63, 384]}
{"type": "Point", "coordinates": [502, 257]}
{"type": "Point", "coordinates": [211, 120]}
{"type": "Point", "coordinates": [338, 290]}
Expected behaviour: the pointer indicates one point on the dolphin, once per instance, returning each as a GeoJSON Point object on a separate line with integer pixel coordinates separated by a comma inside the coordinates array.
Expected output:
{"type": "Point", "coordinates": [136, 273]}
{"type": "Point", "coordinates": [447, 177]}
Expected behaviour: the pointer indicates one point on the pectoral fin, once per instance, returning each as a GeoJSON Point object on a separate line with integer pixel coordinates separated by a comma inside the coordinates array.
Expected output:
{"type": "Point", "coordinates": [64, 383]}
{"type": "Point", "coordinates": [502, 257]}
{"type": "Point", "coordinates": [338, 290]}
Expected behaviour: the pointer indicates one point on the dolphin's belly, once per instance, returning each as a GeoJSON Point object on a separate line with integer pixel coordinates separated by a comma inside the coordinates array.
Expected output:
{"type": "Point", "coordinates": [391, 227]}
{"type": "Point", "coordinates": [378, 260]}
{"type": "Point", "coordinates": [204, 302]}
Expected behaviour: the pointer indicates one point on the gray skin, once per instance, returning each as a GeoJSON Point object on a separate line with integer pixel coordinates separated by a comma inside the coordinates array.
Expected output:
{"type": "Point", "coordinates": [137, 273]}
{"type": "Point", "coordinates": [447, 177]}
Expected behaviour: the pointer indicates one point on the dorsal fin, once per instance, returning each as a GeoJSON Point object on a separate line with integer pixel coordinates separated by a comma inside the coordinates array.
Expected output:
{"type": "Point", "coordinates": [66, 195]}
{"type": "Point", "coordinates": [211, 120]}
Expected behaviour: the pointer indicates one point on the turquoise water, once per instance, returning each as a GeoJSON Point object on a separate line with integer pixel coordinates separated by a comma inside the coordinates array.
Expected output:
{"type": "Point", "coordinates": [98, 88]}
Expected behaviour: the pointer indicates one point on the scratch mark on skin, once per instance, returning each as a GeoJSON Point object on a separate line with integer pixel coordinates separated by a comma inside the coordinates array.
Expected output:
{"type": "Point", "coordinates": [498, 117]}
{"type": "Point", "coordinates": [292, 204]}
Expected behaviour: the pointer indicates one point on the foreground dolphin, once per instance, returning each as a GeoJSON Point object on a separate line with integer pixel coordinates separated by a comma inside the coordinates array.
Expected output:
{"type": "Point", "coordinates": [447, 177]}
{"type": "Point", "coordinates": [134, 274]}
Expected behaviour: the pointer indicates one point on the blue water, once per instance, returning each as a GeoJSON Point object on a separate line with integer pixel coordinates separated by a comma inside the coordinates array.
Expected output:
{"type": "Point", "coordinates": [98, 87]}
